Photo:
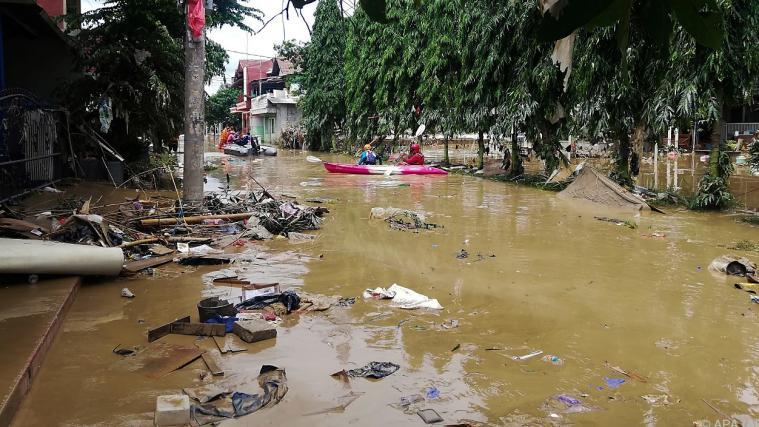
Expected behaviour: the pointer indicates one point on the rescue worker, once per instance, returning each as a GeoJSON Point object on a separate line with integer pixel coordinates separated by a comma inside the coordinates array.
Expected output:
{"type": "Point", "coordinates": [368, 157]}
{"type": "Point", "coordinates": [415, 156]}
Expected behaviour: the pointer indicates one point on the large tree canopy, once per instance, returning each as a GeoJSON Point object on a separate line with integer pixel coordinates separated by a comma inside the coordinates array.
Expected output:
{"type": "Point", "coordinates": [323, 101]}
{"type": "Point", "coordinates": [134, 52]}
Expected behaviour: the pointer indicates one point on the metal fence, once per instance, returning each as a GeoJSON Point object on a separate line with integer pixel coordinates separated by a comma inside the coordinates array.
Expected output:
{"type": "Point", "coordinates": [30, 148]}
{"type": "Point", "coordinates": [741, 128]}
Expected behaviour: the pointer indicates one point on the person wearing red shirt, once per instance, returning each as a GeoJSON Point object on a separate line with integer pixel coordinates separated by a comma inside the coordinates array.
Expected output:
{"type": "Point", "coordinates": [415, 156]}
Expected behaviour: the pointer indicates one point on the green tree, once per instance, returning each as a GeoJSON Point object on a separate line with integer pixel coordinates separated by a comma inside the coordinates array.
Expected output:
{"type": "Point", "coordinates": [292, 51]}
{"type": "Point", "coordinates": [383, 73]}
{"type": "Point", "coordinates": [323, 101]}
{"type": "Point", "coordinates": [134, 50]}
{"type": "Point", "coordinates": [513, 84]}
{"type": "Point", "coordinates": [362, 76]}
{"type": "Point", "coordinates": [218, 105]}
{"type": "Point", "coordinates": [441, 74]}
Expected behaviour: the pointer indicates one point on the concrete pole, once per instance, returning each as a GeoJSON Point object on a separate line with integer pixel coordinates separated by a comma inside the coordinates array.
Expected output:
{"type": "Point", "coordinates": [677, 155]}
{"type": "Point", "coordinates": [656, 166]}
{"type": "Point", "coordinates": [669, 167]}
{"type": "Point", "coordinates": [194, 116]}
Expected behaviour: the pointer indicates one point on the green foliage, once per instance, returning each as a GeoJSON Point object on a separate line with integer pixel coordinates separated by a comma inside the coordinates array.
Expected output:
{"type": "Point", "coordinates": [323, 102]}
{"type": "Point", "coordinates": [745, 245]}
{"type": "Point", "coordinates": [713, 191]}
{"type": "Point", "coordinates": [218, 105]}
{"type": "Point", "coordinates": [135, 54]}
{"type": "Point", "coordinates": [293, 51]}
{"type": "Point", "coordinates": [383, 72]}
{"type": "Point", "coordinates": [702, 83]}
{"type": "Point", "coordinates": [701, 18]}
{"type": "Point", "coordinates": [753, 151]}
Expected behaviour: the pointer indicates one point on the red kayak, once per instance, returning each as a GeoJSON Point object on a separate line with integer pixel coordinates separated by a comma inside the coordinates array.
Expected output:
{"type": "Point", "coordinates": [382, 169]}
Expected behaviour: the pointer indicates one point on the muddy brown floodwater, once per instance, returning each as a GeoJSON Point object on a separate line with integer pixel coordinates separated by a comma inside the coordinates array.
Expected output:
{"type": "Point", "coordinates": [542, 274]}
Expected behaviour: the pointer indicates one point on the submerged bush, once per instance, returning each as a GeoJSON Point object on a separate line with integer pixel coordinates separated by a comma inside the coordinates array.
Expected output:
{"type": "Point", "coordinates": [713, 191]}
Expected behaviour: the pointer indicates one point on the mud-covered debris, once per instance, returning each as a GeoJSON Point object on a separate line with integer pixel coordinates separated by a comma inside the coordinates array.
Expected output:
{"type": "Point", "coordinates": [733, 265]}
{"type": "Point", "coordinates": [374, 370]}
{"type": "Point", "coordinates": [450, 324]}
{"type": "Point", "coordinates": [220, 401]}
{"type": "Point", "coordinates": [463, 254]}
{"type": "Point", "coordinates": [289, 299]}
{"type": "Point", "coordinates": [402, 219]}
{"type": "Point", "coordinates": [429, 416]}
{"type": "Point", "coordinates": [408, 220]}
{"type": "Point", "coordinates": [615, 221]}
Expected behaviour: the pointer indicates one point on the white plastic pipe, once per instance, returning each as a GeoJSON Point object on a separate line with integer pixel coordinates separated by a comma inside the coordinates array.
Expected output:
{"type": "Point", "coordinates": [22, 256]}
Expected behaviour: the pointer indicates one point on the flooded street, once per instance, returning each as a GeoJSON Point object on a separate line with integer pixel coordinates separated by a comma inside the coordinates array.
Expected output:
{"type": "Point", "coordinates": [542, 274]}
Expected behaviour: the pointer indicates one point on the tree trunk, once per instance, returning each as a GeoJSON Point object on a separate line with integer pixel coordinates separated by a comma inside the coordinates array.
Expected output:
{"type": "Point", "coordinates": [516, 161]}
{"type": "Point", "coordinates": [639, 135]}
{"type": "Point", "coordinates": [623, 158]}
{"type": "Point", "coordinates": [480, 150]}
{"type": "Point", "coordinates": [446, 159]}
{"type": "Point", "coordinates": [547, 149]}
{"type": "Point", "coordinates": [714, 169]}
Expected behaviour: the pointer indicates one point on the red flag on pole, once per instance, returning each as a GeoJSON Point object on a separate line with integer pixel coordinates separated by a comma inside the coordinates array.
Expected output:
{"type": "Point", "coordinates": [196, 17]}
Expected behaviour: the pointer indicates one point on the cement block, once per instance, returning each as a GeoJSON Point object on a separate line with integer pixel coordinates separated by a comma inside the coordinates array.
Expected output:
{"type": "Point", "coordinates": [254, 330]}
{"type": "Point", "coordinates": [172, 410]}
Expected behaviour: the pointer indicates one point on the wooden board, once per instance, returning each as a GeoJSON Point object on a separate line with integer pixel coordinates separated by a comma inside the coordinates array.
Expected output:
{"type": "Point", "coordinates": [230, 343]}
{"type": "Point", "coordinates": [135, 266]}
{"type": "Point", "coordinates": [212, 363]}
{"type": "Point", "coordinates": [161, 250]}
{"type": "Point", "coordinates": [201, 329]}
{"type": "Point", "coordinates": [159, 359]}
{"type": "Point", "coordinates": [163, 330]}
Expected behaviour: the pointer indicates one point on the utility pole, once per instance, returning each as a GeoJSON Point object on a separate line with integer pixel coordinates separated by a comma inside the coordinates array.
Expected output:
{"type": "Point", "coordinates": [194, 114]}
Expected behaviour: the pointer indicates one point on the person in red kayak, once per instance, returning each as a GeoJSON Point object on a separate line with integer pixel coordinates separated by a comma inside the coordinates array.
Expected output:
{"type": "Point", "coordinates": [415, 156]}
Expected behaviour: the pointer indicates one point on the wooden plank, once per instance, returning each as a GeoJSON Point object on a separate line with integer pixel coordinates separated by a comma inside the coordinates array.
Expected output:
{"type": "Point", "coordinates": [230, 343]}
{"type": "Point", "coordinates": [221, 346]}
{"type": "Point", "coordinates": [23, 382]}
{"type": "Point", "coordinates": [163, 330]}
{"type": "Point", "coordinates": [202, 329]}
{"type": "Point", "coordinates": [159, 359]}
{"type": "Point", "coordinates": [135, 266]}
{"type": "Point", "coordinates": [161, 250]}
{"type": "Point", "coordinates": [212, 363]}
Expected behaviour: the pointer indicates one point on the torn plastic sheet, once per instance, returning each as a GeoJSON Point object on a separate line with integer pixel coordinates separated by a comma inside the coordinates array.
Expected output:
{"type": "Point", "coordinates": [403, 297]}
{"type": "Point", "coordinates": [374, 370]}
{"type": "Point", "coordinates": [274, 382]}
{"type": "Point", "coordinates": [216, 402]}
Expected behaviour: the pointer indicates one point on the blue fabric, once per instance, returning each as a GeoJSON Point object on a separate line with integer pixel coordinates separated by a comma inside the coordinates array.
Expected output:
{"type": "Point", "coordinates": [227, 321]}
{"type": "Point", "coordinates": [367, 158]}
{"type": "Point", "coordinates": [614, 382]}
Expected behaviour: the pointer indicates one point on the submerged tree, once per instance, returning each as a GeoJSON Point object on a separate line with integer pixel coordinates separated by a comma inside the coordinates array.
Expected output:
{"type": "Point", "coordinates": [323, 101]}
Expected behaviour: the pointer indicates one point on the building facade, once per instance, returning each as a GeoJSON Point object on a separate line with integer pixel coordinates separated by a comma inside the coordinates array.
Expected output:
{"type": "Point", "coordinates": [265, 103]}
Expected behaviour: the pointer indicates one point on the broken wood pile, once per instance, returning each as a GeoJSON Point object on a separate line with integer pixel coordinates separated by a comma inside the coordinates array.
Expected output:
{"type": "Point", "coordinates": [151, 230]}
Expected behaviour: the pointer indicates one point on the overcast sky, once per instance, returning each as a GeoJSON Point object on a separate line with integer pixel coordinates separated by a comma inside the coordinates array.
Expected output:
{"type": "Point", "coordinates": [261, 43]}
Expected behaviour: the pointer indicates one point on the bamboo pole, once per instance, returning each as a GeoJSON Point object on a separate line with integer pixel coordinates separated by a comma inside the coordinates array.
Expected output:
{"type": "Point", "coordinates": [139, 242]}
{"type": "Point", "coordinates": [194, 219]}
